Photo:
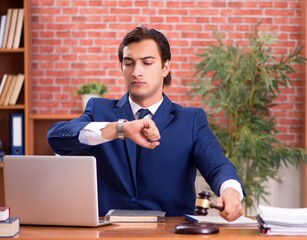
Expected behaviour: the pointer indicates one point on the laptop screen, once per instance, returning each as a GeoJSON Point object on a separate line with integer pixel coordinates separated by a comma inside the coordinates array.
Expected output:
{"type": "Point", "coordinates": [51, 190]}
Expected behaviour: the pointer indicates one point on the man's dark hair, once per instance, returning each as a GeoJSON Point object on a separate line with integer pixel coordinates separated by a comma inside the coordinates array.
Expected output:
{"type": "Point", "coordinates": [141, 33]}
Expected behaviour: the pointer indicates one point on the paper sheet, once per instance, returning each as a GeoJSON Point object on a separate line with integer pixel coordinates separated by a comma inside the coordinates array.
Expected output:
{"type": "Point", "coordinates": [241, 221]}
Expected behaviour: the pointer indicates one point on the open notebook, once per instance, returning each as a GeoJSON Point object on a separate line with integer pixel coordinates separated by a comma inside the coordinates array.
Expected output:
{"type": "Point", "coordinates": [52, 190]}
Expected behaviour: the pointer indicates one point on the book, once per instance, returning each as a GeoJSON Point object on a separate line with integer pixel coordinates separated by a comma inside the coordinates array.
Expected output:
{"type": "Point", "coordinates": [2, 29]}
{"type": "Point", "coordinates": [19, 24]}
{"type": "Point", "coordinates": [218, 220]}
{"type": "Point", "coordinates": [124, 215]}
{"type": "Point", "coordinates": [17, 89]}
{"type": "Point", "coordinates": [5, 88]}
{"type": "Point", "coordinates": [12, 28]}
{"type": "Point", "coordinates": [10, 227]}
{"type": "Point", "coordinates": [282, 221]}
{"type": "Point", "coordinates": [4, 213]}
{"type": "Point", "coordinates": [135, 226]}
{"type": "Point", "coordinates": [3, 83]}
{"type": "Point", "coordinates": [10, 90]}
{"type": "Point", "coordinates": [7, 26]}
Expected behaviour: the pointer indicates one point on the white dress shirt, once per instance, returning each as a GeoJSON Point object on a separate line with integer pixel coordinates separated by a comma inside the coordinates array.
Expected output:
{"type": "Point", "coordinates": [91, 133]}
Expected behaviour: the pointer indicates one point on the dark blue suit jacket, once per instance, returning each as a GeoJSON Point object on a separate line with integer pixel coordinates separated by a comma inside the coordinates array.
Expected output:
{"type": "Point", "coordinates": [166, 174]}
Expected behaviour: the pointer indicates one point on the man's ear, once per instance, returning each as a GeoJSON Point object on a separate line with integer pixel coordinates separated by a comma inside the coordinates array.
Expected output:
{"type": "Point", "coordinates": [166, 68]}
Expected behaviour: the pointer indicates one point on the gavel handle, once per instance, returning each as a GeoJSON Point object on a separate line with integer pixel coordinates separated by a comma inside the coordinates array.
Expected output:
{"type": "Point", "coordinates": [221, 208]}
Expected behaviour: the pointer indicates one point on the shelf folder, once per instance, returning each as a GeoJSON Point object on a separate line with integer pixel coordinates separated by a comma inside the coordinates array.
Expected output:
{"type": "Point", "coordinates": [17, 133]}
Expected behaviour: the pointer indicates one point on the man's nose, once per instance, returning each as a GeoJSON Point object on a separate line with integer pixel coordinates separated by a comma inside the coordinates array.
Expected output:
{"type": "Point", "coordinates": [138, 70]}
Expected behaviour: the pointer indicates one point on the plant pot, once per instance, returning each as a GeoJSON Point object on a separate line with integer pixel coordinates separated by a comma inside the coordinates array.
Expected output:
{"type": "Point", "coordinates": [86, 97]}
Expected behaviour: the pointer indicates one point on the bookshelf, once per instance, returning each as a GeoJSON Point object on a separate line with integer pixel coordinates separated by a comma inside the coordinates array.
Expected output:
{"type": "Point", "coordinates": [16, 61]}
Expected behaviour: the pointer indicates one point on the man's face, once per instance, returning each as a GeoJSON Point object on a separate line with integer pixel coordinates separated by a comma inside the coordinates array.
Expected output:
{"type": "Point", "coordinates": [143, 72]}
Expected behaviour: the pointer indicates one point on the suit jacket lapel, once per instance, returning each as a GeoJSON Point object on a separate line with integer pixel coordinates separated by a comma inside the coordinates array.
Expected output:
{"type": "Point", "coordinates": [164, 114]}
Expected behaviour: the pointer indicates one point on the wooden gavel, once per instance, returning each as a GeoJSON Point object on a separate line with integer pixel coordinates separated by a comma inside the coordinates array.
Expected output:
{"type": "Point", "coordinates": [203, 203]}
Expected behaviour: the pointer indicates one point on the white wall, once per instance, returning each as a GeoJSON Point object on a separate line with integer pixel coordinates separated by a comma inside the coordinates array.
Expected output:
{"type": "Point", "coordinates": [286, 192]}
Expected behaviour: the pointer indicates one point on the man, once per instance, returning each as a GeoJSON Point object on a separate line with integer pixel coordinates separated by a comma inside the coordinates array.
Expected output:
{"type": "Point", "coordinates": [175, 141]}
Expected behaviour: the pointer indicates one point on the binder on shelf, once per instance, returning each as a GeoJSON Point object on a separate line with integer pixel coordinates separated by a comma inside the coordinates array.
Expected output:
{"type": "Point", "coordinates": [17, 133]}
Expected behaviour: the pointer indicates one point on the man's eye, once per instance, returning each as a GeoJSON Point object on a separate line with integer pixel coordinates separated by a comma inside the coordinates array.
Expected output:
{"type": "Point", "coordinates": [148, 62]}
{"type": "Point", "coordinates": [127, 63]}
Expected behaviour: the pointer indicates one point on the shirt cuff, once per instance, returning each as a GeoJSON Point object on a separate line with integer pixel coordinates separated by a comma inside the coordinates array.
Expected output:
{"type": "Point", "coordinates": [233, 184]}
{"type": "Point", "coordinates": [91, 133]}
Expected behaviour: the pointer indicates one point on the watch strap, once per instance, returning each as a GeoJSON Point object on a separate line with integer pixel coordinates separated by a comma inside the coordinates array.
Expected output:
{"type": "Point", "coordinates": [120, 129]}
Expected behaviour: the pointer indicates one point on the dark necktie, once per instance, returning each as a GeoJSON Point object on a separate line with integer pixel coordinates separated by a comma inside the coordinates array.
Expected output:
{"type": "Point", "coordinates": [142, 113]}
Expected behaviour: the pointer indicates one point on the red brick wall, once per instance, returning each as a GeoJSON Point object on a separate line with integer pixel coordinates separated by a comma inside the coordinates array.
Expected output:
{"type": "Point", "coordinates": [76, 41]}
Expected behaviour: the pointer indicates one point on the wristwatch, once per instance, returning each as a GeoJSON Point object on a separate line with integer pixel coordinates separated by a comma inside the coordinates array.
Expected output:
{"type": "Point", "coordinates": [120, 130]}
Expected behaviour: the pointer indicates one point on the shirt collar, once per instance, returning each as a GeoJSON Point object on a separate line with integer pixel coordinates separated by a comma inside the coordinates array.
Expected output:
{"type": "Point", "coordinates": [153, 108]}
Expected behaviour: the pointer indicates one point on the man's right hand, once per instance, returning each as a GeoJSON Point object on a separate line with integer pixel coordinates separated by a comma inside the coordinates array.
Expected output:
{"type": "Point", "coordinates": [143, 132]}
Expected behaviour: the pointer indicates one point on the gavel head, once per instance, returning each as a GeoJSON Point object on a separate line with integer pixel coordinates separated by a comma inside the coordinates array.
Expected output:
{"type": "Point", "coordinates": [202, 203]}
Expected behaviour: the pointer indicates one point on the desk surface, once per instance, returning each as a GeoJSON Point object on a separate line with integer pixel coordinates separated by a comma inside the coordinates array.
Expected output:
{"type": "Point", "coordinates": [148, 231]}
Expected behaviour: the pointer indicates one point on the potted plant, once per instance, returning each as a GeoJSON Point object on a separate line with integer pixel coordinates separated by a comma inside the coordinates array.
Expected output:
{"type": "Point", "coordinates": [91, 89]}
{"type": "Point", "coordinates": [243, 83]}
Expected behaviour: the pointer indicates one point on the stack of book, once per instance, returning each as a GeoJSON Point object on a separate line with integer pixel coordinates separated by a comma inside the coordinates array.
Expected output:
{"type": "Point", "coordinates": [10, 88]}
{"type": "Point", "coordinates": [282, 221]}
{"type": "Point", "coordinates": [11, 28]}
{"type": "Point", "coordinates": [9, 226]}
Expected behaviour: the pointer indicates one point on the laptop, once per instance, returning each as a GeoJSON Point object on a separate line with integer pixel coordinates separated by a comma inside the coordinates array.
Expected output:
{"type": "Point", "coordinates": [52, 190]}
